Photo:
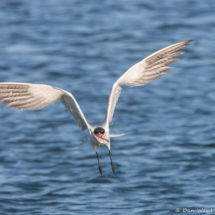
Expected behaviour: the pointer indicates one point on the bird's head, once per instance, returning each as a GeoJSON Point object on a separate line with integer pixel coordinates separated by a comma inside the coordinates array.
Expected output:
{"type": "Point", "coordinates": [99, 131]}
{"type": "Point", "coordinates": [100, 135]}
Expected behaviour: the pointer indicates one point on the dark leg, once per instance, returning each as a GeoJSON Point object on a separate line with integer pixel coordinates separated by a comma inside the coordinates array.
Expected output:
{"type": "Point", "coordinates": [111, 163]}
{"type": "Point", "coordinates": [100, 168]}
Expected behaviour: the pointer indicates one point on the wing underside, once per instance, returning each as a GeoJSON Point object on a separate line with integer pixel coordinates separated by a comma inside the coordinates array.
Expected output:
{"type": "Point", "coordinates": [36, 96]}
{"type": "Point", "coordinates": [147, 70]}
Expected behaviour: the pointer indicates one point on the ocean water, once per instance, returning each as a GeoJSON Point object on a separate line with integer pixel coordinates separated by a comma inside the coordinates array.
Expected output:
{"type": "Point", "coordinates": [166, 162]}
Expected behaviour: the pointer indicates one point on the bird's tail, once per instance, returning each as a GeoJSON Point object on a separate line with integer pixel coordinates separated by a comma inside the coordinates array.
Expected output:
{"type": "Point", "coordinates": [81, 144]}
{"type": "Point", "coordinates": [117, 135]}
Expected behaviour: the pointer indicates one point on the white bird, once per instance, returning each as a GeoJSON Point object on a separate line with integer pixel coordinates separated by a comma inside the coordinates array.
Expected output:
{"type": "Point", "coordinates": [36, 96]}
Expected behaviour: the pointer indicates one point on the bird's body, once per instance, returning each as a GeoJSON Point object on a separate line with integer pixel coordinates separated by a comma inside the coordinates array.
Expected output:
{"type": "Point", "coordinates": [36, 96]}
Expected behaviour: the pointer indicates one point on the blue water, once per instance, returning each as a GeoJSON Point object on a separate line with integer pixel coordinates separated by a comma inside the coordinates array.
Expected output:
{"type": "Point", "coordinates": [166, 161]}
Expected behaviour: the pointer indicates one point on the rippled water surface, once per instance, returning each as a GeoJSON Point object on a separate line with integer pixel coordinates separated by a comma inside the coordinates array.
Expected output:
{"type": "Point", "coordinates": [167, 159]}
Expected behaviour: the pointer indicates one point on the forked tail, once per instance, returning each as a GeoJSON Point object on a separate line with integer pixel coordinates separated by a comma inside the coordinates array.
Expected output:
{"type": "Point", "coordinates": [117, 135]}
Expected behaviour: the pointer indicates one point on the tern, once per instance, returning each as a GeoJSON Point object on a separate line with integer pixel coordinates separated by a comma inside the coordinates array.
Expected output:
{"type": "Point", "coordinates": [28, 96]}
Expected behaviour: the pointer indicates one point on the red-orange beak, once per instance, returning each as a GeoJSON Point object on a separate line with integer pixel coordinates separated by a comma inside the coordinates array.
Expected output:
{"type": "Point", "coordinates": [100, 135]}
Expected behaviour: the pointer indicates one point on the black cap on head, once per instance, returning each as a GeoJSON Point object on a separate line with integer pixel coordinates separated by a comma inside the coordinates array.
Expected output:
{"type": "Point", "coordinates": [99, 130]}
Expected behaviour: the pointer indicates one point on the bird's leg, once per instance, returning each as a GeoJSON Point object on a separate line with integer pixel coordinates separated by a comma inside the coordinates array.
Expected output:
{"type": "Point", "coordinates": [111, 163]}
{"type": "Point", "coordinates": [100, 168]}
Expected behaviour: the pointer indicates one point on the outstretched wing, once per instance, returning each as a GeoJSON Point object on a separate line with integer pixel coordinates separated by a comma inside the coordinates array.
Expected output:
{"type": "Point", "coordinates": [36, 96]}
{"type": "Point", "coordinates": [145, 71]}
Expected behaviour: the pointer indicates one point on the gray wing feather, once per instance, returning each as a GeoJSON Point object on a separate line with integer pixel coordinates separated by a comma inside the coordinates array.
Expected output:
{"type": "Point", "coordinates": [71, 104]}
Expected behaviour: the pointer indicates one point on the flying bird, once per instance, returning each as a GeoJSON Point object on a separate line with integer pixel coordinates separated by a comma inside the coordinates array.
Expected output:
{"type": "Point", "coordinates": [28, 96]}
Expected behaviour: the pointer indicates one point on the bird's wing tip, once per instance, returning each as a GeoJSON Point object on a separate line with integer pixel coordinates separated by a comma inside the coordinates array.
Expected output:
{"type": "Point", "coordinates": [189, 41]}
